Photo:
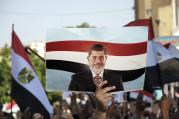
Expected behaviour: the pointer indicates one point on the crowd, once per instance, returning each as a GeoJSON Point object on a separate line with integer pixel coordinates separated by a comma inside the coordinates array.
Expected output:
{"type": "Point", "coordinates": [85, 106]}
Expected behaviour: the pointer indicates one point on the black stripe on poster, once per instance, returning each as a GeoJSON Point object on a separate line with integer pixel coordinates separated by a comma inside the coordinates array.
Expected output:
{"type": "Point", "coordinates": [74, 67]}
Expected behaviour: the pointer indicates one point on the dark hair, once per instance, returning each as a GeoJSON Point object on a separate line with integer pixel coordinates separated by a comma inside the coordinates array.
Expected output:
{"type": "Point", "coordinates": [97, 47]}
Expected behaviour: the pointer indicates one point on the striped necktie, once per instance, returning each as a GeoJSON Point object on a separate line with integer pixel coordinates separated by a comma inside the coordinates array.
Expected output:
{"type": "Point", "coordinates": [97, 79]}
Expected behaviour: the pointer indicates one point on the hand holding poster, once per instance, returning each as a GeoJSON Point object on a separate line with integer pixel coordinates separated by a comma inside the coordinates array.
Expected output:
{"type": "Point", "coordinates": [77, 59]}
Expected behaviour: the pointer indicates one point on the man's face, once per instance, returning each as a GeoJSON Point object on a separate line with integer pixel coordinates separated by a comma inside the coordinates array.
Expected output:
{"type": "Point", "coordinates": [97, 61]}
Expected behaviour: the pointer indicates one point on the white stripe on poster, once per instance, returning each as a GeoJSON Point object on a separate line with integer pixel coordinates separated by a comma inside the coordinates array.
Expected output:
{"type": "Point", "coordinates": [113, 62]}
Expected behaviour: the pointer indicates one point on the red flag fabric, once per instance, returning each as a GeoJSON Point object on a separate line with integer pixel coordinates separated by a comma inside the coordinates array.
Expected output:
{"type": "Point", "coordinates": [144, 22]}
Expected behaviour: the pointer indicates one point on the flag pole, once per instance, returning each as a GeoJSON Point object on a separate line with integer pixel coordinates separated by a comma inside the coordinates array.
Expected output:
{"type": "Point", "coordinates": [11, 76]}
{"type": "Point", "coordinates": [12, 27]}
{"type": "Point", "coordinates": [35, 53]}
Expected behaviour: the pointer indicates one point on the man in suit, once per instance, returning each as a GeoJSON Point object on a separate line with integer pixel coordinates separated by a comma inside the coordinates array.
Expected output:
{"type": "Point", "coordinates": [89, 80]}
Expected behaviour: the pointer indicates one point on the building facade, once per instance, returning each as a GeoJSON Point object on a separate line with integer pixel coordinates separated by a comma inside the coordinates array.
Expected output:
{"type": "Point", "coordinates": [161, 12]}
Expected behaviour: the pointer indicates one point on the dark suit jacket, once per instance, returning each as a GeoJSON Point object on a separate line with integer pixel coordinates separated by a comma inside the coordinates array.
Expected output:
{"type": "Point", "coordinates": [83, 81]}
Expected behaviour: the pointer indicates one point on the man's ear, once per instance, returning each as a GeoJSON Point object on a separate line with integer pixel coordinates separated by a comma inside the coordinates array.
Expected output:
{"type": "Point", "coordinates": [88, 58]}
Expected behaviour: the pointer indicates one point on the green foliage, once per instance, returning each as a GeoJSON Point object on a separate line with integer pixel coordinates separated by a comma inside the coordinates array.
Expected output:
{"type": "Point", "coordinates": [54, 97]}
{"type": "Point", "coordinates": [83, 25]}
{"type": "Point", "coordinates": [5, 74]}
{"type": "Point", "coordinates": [39, 67]}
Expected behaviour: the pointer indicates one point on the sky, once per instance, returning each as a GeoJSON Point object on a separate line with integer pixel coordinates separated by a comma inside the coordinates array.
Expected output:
{"type": "Point", "coordinates": [32, 18]}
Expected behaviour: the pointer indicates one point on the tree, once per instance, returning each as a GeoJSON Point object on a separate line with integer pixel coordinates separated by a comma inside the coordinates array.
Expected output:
{"type": "Point", "coordinates": [82, 25]}
{"type": "Point", "coordinates": [5, 74]}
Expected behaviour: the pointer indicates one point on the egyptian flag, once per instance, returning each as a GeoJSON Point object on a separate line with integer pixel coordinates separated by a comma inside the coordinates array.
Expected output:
{"type": "Point", "coordinates": [168, 60]}
{"type": "Point", "coordinates": [145, 96]}
{"type": "Point", "coordinates": [26, 87]}
{"type": "Point", "coordinates": [67, 51]}
{"type": "Point", "coordinates": [152, 77]}
{"type": "Point", "coordinates": [11, 106]}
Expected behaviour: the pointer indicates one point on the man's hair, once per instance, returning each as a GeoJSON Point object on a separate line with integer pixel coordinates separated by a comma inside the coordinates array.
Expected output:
{"type": "Point", "coordinates": [97, 47]}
